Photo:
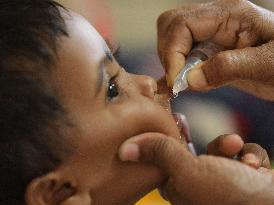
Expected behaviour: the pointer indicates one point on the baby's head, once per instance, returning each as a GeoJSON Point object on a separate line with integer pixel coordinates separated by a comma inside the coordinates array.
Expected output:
{"type": "Point", "coordinates": [65, 108]}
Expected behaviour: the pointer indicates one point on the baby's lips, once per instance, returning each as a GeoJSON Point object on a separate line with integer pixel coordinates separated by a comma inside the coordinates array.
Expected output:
{"type": "Point", "coordinates": [163, 95]}
{"type": "Point", "coordinates": [182, 125]}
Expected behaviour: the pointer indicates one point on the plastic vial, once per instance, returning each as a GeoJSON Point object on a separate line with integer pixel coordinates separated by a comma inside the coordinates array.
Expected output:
{"type": "Point", "coordinates": [197, 55]}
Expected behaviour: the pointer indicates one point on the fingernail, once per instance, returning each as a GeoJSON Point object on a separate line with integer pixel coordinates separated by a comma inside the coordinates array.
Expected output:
{"type": "Point", "coordinates": [251, 160]}
{"type": "Point", "coordinates": [249, 157]}
{"type": "Point", "coordinates": [196, 78]}
{"type": "Point", "coordinates": [231, 144]}
{"type": "Point", "coordinates": [233, 137]}
{"type": "Point", "coordinates": [129, 152]}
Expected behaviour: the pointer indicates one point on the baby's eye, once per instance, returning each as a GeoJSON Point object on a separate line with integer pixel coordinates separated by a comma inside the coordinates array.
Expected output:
{"type": "Point", "coordinates": [112, 89]}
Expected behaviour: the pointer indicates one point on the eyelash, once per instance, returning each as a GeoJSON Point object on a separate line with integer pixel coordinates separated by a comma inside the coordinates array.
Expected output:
{"type": "Point", "coordinates": [116, 53]}
{"type": "Point", "coordinates": [113, 80]}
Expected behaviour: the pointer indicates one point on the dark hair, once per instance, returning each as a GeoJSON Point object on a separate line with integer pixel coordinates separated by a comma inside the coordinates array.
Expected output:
{"type": "Point", "coordinates": [30, 115]}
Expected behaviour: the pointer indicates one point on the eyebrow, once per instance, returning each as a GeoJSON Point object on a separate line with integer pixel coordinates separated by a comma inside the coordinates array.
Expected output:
{"type": "Point", "coordinates": [108, 58]}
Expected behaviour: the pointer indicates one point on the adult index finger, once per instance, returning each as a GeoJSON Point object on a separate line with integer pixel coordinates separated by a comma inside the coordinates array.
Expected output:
{"type": "Point", "coordinates": [171, 156]}
{"type": "Point", "coordinates": [187, 25]}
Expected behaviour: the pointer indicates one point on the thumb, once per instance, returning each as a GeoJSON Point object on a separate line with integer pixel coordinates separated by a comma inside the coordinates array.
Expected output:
{"type": "Point", "coordinates": [165, 152]}
{"type": "Point", "coordinates": [252, 63]}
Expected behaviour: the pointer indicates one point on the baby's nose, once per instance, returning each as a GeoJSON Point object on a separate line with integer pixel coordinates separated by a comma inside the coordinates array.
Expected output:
{"type": "Point", "coordinates": [148, 86]}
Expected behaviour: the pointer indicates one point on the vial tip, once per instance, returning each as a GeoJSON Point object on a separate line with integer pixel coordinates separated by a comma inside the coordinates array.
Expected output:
{"type": "Point", "coordinates": [179, 85]}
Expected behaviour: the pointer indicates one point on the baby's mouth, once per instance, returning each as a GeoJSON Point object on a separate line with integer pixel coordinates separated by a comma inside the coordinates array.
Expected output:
{"type": "Point", "coordinates": [164, 95]}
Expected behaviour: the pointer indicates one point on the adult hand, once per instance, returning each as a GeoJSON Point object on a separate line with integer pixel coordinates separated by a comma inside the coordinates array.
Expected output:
{"type": "Point", "coordinates": [200, 180]}
{"type": "Point", "coordinates": [232, 146]}
{"type": "Point", "coordinates": [246, 30]}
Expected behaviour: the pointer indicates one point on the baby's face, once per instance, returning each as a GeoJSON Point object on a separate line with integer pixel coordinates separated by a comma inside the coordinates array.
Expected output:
{"type": "Point", "coordinates": [106, 105]}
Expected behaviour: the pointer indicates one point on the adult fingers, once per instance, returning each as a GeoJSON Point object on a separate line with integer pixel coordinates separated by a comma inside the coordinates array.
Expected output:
{"type": "Point", "coordinates": [207, 177]}
{"type": "Point", "coordinates": [179, 28]}
{"type": "Point", "coordinates": [171, 156]}
{"type": "Point", "coordinates": [230, 23]}
{"type": "Point", "coordinates": [226, 145]}
{"type": "Point", "coordinates": [167, 31]}
{"type": "Point", "coordinates": [252, 63]}
{"type": "Point", "coordinates": [231, 145]}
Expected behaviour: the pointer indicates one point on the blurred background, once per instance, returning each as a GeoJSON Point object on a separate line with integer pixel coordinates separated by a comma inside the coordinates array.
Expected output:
{"type": "Point", "coordinates": [132, 24]}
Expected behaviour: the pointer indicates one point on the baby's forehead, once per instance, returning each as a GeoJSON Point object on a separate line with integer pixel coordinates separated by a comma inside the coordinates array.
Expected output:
{"type": "Point", "coordinates": [78, 23]}
{"type": "Point", "coordinates": [82, 32]}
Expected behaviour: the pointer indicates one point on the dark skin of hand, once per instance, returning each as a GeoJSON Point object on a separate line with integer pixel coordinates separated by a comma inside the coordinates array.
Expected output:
{"type": "Point", "coordinates": [247, 33]}
{"type": "Point", "coordinates": [206, 179]}
{"type": "Point", "coordinates": [244, 29]}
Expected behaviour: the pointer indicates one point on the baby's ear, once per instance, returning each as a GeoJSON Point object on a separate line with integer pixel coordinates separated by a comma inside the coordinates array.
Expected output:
{"type": "Point", "coordinates": [54, 189]}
